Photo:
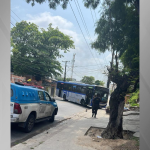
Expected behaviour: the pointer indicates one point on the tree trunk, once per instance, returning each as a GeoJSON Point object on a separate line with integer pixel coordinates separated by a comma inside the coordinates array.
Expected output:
{"type": "Point", "coordinates": [114, 128]}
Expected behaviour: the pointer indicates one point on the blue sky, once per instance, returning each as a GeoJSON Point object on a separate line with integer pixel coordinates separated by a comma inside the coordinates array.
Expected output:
{"type": "Point", "coordinates": [87, 61]}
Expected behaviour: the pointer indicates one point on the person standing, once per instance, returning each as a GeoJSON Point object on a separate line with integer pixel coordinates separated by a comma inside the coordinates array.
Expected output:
{"type": "Point", "coordinates": [95, 105]}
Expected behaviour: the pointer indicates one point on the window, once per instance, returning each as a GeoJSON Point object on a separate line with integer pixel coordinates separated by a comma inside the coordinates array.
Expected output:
{"type": "Point", "coordinates": [79, 89]}
{"type": "Point", "coordinates": [69, 87]}
{"type": "Point", "coordinates": [83, 90]}
{"type": "Point", "coordinates": [65, 87]}
{"type": "Point", "coordinates": [47, 97]}
{"type": "Point", "coordinates": [58, 85]}
{"type": "Point", "coordinates": [74, 88]}
{"type": "Point", "coordinates": [11, 92]}
{"type": "Point", "coordinates": [41, 95]}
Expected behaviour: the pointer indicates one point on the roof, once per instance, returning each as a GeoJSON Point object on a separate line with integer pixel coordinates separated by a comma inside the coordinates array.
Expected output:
{"type": "Point", "coordinates": [26, 87]}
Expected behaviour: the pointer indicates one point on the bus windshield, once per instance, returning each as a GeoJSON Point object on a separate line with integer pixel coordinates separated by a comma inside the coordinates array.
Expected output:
{"type": "Point", "coordinates": [103, 93]}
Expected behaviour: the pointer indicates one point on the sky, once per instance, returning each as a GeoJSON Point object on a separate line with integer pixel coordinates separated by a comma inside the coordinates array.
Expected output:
{"type": "Point", "coordinates": [88, 62]}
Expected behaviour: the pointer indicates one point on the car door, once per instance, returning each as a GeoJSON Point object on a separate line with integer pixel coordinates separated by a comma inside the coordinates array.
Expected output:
{"type": "Point", "coordinates": [49, 108]}
{"type": "Point", "coordinates": [42, 104]}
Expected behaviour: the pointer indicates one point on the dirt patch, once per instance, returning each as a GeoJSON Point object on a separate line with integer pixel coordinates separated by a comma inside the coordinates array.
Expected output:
{"type": "Point", "coordinates": [93, 139]}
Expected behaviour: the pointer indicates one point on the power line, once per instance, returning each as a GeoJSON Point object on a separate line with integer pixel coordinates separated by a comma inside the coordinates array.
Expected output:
{"type": "Point", "coordinates": [15, 14]}
{"type": "Point", "coordinates": [11, 23]}
{"type": "Point", "coordinates": [83, 20]}
{"type": "Point", "coordinates": [14, 18]}
{"type": "Point", "coordinates": [81, 30]}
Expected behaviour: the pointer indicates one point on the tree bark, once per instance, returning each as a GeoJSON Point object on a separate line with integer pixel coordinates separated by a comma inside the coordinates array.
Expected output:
{"type": "Point", "coordinates": [114, 128]}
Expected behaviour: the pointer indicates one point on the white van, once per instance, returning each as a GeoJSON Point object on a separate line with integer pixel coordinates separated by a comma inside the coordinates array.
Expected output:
{"type": "Point", "coordinates": [30, 105]}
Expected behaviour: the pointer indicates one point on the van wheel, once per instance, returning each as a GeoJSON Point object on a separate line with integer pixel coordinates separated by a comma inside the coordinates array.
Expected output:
{"type": "Point", "coordinates": [52, 118]}
{"type": "Point", "coordinates": [30, 123]}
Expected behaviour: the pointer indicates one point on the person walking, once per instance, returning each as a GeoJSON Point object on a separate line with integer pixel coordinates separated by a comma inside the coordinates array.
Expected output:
{"type": "Point", "coordinates": [93, 98]}
{"type": "Point", "coordinates": [95, 104]}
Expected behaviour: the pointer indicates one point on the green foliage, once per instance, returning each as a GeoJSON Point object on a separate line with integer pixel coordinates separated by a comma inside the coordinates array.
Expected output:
{"type": "Point", "coordinates": [98, 82]}
{"type": "Point", "coordinates": [88, 79]}
{"type": "Point", "coordinates": [133, 98]}
{"type": "Point", "coordinates": [52, 3]}
{"type": "Point", "coordinates": [118, 27]}
{"type": "Point", "coordinates": [35, 51]}
{"type": "Point", "coordinates": [62, 79]}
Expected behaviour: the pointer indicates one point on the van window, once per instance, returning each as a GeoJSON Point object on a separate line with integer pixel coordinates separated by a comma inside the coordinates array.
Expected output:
{"type": "Point", "coordinates": [47, 97]}
{"type": "Point", "coordinates": [41, 95]}
{"type": "Point", "coordinates": [12, 93]}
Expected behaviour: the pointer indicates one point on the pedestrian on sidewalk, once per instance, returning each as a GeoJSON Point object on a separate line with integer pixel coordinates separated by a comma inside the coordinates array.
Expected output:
{"type": "Point", "coordinates": [92, 99]}
{"type": "Point", "coordinates": [95, 104]}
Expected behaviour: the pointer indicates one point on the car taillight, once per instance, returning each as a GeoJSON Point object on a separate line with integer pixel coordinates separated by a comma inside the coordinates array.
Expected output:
{"type": "Point", "coordinates": [17, 109]}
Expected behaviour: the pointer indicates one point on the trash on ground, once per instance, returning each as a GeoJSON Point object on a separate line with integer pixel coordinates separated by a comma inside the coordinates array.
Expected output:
{"type": "Point", "coordinates": [99, 137]}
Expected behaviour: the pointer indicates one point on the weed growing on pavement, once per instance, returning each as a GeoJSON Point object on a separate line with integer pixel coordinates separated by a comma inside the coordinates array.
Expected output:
{"type": "Point", "coordinates": [41, 142]}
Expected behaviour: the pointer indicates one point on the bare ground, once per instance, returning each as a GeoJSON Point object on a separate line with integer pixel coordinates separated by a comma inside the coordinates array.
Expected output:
{"type": "Point", "coordinates": [91, 140]}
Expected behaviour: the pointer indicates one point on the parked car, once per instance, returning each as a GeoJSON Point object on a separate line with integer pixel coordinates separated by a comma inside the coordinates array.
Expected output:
{"type": "Point", "coordinates": [30, 105]}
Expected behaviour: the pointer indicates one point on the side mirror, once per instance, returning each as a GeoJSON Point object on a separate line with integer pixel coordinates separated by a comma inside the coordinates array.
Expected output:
{"type": "Point", "coordinates": [53, 100]}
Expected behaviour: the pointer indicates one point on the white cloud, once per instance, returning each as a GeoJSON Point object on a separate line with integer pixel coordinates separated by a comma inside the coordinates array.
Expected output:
{"type": "Point", "coordinates": [65, 26]}
{"type": "Point", "coordinates": [44, 19]}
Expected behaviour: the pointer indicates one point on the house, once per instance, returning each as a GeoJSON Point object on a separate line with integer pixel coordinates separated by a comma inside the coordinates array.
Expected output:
{"type": "Point", "coordinates": [15, 78]}
{"type": "Point", "coordinates": [50, 86]}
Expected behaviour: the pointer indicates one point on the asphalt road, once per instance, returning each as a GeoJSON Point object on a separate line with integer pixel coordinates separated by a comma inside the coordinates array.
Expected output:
{"type": "Point", "coordinates": [65, 110]}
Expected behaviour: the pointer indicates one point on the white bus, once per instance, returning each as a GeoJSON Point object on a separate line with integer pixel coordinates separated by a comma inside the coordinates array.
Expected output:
{"type": "Point", "coordinates": [81, 93]}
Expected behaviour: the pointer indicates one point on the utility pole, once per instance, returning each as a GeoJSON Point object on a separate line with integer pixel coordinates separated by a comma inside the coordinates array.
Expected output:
{"type": "Point", "coordinates": [72, 65]}
{"type": "Point", "coordinates": [65, 70]}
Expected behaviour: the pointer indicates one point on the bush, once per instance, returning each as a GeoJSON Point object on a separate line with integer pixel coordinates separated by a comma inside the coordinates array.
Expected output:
{"type": "Point", "coordinates": [133, 98]}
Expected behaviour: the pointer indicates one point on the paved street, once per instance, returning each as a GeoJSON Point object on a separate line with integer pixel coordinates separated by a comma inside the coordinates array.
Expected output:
{"type": "Point", "coordinates": [65, 110]}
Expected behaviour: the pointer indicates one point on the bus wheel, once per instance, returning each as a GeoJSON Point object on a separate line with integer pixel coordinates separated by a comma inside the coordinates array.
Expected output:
{"type": "Point", "coordinates": [64, 97]}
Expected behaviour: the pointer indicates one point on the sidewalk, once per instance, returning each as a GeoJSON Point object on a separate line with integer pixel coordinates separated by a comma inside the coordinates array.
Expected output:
{"type": "Point", "coordinates": [69, 135]}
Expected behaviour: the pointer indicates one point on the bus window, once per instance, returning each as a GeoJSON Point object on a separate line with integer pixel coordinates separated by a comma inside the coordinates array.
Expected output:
{"type": "Point", "coordinates": [65, 86]}
{"type": "Point", "coordinates": [78, 89]}
{"type": "Point", "coordinates": [74, 88]}
{"type": "Point", "coordinates": [58, 85]}
{"type": "Point", "coordinates": [83, 90]}
{"type": "Point", "coordinates": [69, 87]}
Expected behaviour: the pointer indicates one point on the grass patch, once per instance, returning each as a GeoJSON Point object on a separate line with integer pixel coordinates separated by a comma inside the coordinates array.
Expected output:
{"type": "Point", "coordinates": [137, 140]}
{"type": "Point", "coordinates": [41, 142]}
